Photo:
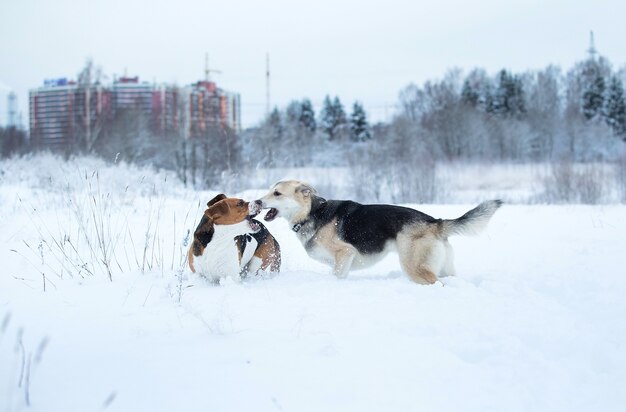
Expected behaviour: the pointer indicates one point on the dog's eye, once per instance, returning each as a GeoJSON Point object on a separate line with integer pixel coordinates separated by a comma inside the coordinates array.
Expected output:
{"type": "Point", "coordinates": [240, 203]}
{"type": "Point", "coordinates": [276, 193]}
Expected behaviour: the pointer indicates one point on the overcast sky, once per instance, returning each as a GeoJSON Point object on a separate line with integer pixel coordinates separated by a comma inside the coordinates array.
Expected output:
{"type": "Point", "coordinates": [360, 50]}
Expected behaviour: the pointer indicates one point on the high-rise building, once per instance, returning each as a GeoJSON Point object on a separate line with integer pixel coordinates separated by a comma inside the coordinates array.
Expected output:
{"type": "Point", "coordinates": [201, 109]}
{"type": "Point", "coordinates": [159, 103]}
{"type": "Point", "coordinates": [165, 101]}
{"type": "Point", "coordinates": [62, 112]}
{"type": "Point", "coordinates": [129, 93]}
{"type": "Point", "coordinates": [204, 108]}
{"type": "Point", "coordinates": [233, 111]}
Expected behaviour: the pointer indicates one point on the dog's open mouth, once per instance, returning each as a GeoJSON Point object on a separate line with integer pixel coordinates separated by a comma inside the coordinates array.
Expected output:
{"type": "Point", "coordinates": [271, 215]}
{"type": "Point", "coordinates": [254, 225]}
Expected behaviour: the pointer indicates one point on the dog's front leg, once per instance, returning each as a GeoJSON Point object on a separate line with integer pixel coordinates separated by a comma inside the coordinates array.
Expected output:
{"type": "Point", "coordinates": [343, 261]}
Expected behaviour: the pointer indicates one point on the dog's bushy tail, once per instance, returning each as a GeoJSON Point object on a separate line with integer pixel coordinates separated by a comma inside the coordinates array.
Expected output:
{"type": "Point", "coordinates": [472, 222]}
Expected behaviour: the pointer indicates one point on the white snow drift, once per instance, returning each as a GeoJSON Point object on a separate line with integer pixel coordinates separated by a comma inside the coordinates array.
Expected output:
{"type": "Point", "coordinates": [534, 320]}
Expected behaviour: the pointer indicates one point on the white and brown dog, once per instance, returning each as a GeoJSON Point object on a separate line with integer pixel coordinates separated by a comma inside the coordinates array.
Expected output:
{"type": "Point", "coordinates": [348, 235]}
{"type": "Point", "coordinates": [228, 242]}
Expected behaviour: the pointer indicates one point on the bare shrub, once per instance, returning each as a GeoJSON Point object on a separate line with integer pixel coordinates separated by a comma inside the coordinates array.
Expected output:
{"type": "Point", "coordinates": [559, 184]}
{"type": "Point", "coordinates": [590, 184]}
{"type": "Point", "coordinates": [376, 176]}
{"type": "Point", "coordinates": [416, 182]}
{"type": "Point", "coordinates": [568, 182]}
{"type": "Point", "coordinates": [101, 236]}
{"type": "Point", "coordinates": [368, 174]}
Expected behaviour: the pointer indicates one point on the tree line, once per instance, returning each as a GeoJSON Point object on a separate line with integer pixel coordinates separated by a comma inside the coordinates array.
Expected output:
{"type": "Point", "coordinates": [543, 115]}
{"type": "Point", "coordinates": [533, 116]}
{"type": "Point", "coordinates": [547, 115]}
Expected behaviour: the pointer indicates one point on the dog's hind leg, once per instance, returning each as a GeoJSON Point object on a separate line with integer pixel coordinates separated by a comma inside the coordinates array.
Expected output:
{"type": "Point", "coordinates": [422, 275]}
{"type": "Point", "coordinates": [421, 257]}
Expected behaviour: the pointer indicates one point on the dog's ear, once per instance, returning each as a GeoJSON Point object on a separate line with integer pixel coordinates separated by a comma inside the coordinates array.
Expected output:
{"type": "Point", "coordinates": [216, 199]}
{"type": "Point", "coordinates": [217, 210]}
{"type": "Point", "coordinates": [306, 190]}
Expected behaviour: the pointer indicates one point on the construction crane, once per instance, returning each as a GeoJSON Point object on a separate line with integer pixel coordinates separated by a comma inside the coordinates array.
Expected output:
{"type": "Point", "coordinates": [207, 70]}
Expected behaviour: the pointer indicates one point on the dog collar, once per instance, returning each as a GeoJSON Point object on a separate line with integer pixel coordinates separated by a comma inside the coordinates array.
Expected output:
{"type": "Point", "coordinates": [296, 228]}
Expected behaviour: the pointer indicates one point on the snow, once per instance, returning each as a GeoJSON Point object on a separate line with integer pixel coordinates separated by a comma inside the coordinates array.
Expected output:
{"type": "Point", "coordinates": [534, 320]}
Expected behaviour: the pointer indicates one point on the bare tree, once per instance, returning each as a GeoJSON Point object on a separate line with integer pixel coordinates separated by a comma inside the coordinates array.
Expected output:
{"type": "Point", "coordinates": [93, 108]}
{"type": "Point", "coordinates": [13, 141]}
{"type": "Point", "coordinates": [180, 136]}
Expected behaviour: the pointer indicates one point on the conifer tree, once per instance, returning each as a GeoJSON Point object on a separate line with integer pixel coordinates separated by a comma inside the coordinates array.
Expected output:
{"type": "Point", "coordinates": [516, 98]}
{"type": "Point", "coordinates": [293, 112]}
{"type": "Point", "coordinates": [615, 107]}
{"type": "Point", "coordinates": [509, 96]}
{"type": "Point", "coordinates": [307, 116]}
{"type": "Point", "coordinates": [469, 95]}
{"type": "Point", "coordinates": [327, 118]}
{"type": "Point", "coordinates": [593, 96]}
{"type": "Point", "coordinates": [333, 118]}
{"type": "Point", "coordinates": [489, 99]}
{"type": "Point", "coordinates": [340, 113]}
{"type": "Point", "coordinates": [359, 127]}
{"type": "Point", "coordinates": [275, 124]}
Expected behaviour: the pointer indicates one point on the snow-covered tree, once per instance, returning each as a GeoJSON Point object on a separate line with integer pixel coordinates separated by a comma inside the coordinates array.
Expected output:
{"type": "Point", "coordinates": [580, 80]}
{"type": "Point", "coordinates": [90, 125]}
{"type": "Point", "coordinates": [544, 112]}
{"type": "Point", "coordinates": [300, 115]}
{"type": "Point", "coordinates": [327, 117]}
{"type": "Point", "coordinates": [615, 107]}
{"type": "Point", "coordinates": [469, 95]}
{"type": "Point", "coordinates": [307, 116]}
{"type": "Point", "coordinates": [359, 127]}
{"type": "Point", "coordinates": [593, 96]}
{"type": "Point", "coordinates": [509, 95]}
{"type": "Point", "coordinates": [292, 113]}
{"type": "Point", "coordinates": [477, 89]}
{"type": "Point", "coordinates": [13, 140]}
{"type": "Point", "coordinates": [275, 125]}
{"type": "Point", "coordinates": [333, 118]}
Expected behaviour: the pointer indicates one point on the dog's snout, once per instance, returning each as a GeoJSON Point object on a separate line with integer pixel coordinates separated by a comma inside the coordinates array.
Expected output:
{"type": "Point", "coordinates": [255, 207]}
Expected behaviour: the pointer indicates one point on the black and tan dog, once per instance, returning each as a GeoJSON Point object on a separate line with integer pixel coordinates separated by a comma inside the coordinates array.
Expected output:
{"type": "Point", "coordinates": [348, 235]}
{"type": "Point", "coordinates": [228, 242]}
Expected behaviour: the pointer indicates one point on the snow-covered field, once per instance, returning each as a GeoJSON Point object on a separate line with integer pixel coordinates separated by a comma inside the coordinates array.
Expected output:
{"type": "Point", "coordinates": [99, 312]}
